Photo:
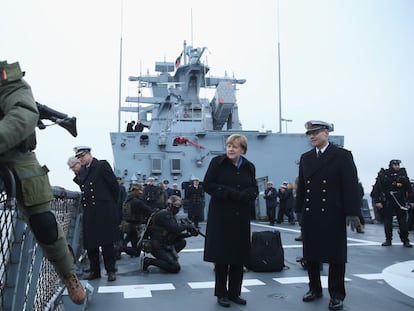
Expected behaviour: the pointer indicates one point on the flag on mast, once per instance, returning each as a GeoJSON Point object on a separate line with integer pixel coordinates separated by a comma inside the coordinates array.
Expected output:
{"type": "Point", "coordinates": [178, 60]}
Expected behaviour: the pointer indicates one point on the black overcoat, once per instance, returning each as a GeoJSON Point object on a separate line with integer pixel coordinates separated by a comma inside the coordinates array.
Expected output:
{"type": "Point", "coordinates": [233, 190]}
{"type": "Point", "coordinates": [327, 192]}
{"type": "Point", "coordinates": [99, 202]}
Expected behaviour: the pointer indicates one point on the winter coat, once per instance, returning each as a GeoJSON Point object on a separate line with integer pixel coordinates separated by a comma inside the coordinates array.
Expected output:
{"type": "Point", "coordinates": [327, 192]}
{"type": "Point", "coordinates": [233, 190]}
{"type": "Point", "coordinates": [99, 201]}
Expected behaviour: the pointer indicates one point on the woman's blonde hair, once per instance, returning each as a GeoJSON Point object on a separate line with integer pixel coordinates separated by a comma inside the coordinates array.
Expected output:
{"type": "Point", "coordinates": [241, 139]}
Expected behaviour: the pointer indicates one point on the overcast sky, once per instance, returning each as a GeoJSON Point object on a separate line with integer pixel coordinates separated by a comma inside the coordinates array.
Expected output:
{"type": "Point", "coordinates": [348, 62]}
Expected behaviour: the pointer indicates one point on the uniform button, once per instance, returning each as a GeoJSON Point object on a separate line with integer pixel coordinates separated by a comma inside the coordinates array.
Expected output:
{"type": "Point", "coordinates": [324, 181]}
{"type": "Point", "coordinates": [307, 190]}
{"type": "Point", "coordinates": [92, 190]}
{"type": "Point", "coordinates": [323, 210]}
{"type": "Point", "coordinates": [93, 203]}
{"type": "Point", "coordinates": [90, 183]}
{"type": "Point", "coordinates": [93, 197]}
{"type": "Point", "coordinates": [307, 209]}
{"type": "Point", "coordinates": [307, 200]}
{"type": "Point", "coordinates": [323, 190]}
{"type": "Point", "coordinates": [308, 181]}
{"type": "Point", "coordinates": [323, 200]}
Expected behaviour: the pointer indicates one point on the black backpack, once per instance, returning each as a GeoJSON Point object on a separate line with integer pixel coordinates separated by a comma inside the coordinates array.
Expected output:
{"type": "Point", "coordinates": [266, 254]}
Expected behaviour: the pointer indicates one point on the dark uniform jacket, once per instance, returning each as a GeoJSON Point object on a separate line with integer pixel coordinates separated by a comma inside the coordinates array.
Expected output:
{"type": "Point", "coordinates": [396, 182]}
{"type": "Point", "coordinates": [270, 195]}
{"type": "Point", "coordinates": [327, 192]}
{"type": "Point", "coordinates": [165, 228]}
{"type": "Point", "coordinates": [233, 190]}
{"type": "Point", "coordinates": [99, 201]}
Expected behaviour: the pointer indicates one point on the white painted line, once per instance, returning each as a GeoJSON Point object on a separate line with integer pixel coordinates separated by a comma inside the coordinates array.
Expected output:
{"type": "Point", "coordinates": [135, 291]}
{"type": "Point", "coordinates": [247, 282]}
{"type": "Point", "coordinates": [304, 279]}
{"type": "Point", "coordinates": [373, 276]}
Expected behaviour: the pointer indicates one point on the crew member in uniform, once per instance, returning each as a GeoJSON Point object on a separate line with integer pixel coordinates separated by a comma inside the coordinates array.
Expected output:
{"type": "Point", "coordinates": [167, 237]}
{"type": "Point", "coordinates": [328, 198]}
{"type": "Point", "coordinates": [393, 186]}
{"type": "Point", "coordinates": [18, 119]}
{"type": "Point", "coordinates": [195, 195]}
{"type": "Point", "coordinates": [100, 190]}
{"type": "Point", "coordinates": [270, 195]}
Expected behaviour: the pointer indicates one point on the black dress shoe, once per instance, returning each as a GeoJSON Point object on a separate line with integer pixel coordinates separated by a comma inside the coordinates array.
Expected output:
{"type": "Point", "coordinates": [407, 244]}
{"type": "Point", "coordinates": [311, 296]}
{"type": "Point", "coordinates": [335, 304]}
{"type": "Point", "coordinates": [92, 276]}
{"type": "Point", "coordinates": [386, 243]}
{"type": "Point", "coordinates": [238, 300]}
{"type": "Point", "coordinates": [224, 302]}
{"type": "Point", "coordinates": [111, 276]}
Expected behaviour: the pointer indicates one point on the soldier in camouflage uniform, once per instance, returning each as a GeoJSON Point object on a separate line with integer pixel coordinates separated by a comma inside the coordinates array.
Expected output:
{"type": "Point", "coordinates": [18, 119]}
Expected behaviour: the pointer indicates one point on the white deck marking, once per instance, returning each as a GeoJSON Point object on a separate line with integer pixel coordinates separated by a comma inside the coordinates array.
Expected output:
{"type": "Point", "coordinates": [135, 291]}
{"type": "Point", "coordinates": [247, 282]}
{"type": "Point", "coordinates": [400, 276]}
{"type": "Point", "coordinates": [304, 279]}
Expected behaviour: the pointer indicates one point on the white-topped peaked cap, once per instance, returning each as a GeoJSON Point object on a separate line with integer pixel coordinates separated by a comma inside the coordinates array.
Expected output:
{"type": "Point", "coordinates": [314, 125]}
{"type": "Point", "coordinates": [80, 150]}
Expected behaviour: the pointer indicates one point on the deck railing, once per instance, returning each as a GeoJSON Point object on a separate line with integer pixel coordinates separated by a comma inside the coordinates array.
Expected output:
{"type": "Point", "coordinates": [27, 280]}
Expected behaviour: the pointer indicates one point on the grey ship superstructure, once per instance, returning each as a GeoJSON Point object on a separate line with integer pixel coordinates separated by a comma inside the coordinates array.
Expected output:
{"type": "Point", "coordinates": [186, 130]}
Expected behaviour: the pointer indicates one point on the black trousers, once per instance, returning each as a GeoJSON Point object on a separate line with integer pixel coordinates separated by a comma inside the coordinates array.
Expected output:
{"type": "Point", "coordinates": [108, 254]}
{"type": "Point", "coordinates": [388, 216]}
{"type": "Point", "coordinates": [233, 274]}
{"type": "Point", "coordinates": [166, 256]}
{"type": "Point", "coordinates": [336, 279]}
{"type": "Point", "coordinates": [271, 213]}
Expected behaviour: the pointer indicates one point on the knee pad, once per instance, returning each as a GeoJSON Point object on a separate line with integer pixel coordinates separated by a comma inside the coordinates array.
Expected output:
{"type": "Point", "coordinates": [44, 227]}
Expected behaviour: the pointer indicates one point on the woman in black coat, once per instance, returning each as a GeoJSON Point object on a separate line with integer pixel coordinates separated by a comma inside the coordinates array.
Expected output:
{"type": "Point", "coordinates": [230, 180]}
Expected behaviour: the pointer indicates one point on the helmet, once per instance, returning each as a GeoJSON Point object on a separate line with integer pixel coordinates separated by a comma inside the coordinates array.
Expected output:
{"type": "Point", "coordinates": [174, 203]}
{"type": "Point", "coordinates": [395, 161]}
{"type": "Point", "coordinates": [136, 186]}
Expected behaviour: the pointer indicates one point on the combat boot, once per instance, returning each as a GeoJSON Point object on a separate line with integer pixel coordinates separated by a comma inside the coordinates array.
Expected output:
{"type": "Point", "coordinates": [75, 289]}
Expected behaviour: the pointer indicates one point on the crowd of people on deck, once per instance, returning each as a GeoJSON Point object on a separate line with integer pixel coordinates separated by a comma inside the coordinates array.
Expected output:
{"type": "Point", "coordinates": [144, 217]}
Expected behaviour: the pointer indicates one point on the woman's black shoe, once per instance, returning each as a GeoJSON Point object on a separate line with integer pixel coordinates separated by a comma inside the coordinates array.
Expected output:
{"type": "Point", "coordinates": [238, 300]}
{"type": "Point", "coordinates": [224, 302]}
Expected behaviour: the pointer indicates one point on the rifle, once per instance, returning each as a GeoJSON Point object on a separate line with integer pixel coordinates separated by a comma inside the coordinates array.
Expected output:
{"type": "Point", "coordinates": [193, 228]}
{"type": "Point", "coordinates": [59, 118]}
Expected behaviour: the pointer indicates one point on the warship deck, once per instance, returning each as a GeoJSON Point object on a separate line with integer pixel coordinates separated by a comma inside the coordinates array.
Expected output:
{"type": "Point", "coordinates": [377, 278]}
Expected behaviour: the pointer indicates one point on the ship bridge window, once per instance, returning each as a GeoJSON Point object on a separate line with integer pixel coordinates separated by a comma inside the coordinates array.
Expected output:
{"type": "Point", "coordinates": [156, 166]}
{"type": "Point", "coordinates": [144, 139]}
{"type": "Point", "coordinates": [175, 166]}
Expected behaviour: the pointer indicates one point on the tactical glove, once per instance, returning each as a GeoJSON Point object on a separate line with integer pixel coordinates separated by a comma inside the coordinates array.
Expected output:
{"type": "Point", "coordinates": [353, 221]}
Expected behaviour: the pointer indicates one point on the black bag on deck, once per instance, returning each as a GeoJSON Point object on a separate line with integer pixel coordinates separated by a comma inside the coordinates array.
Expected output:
{"type": "Point", "coordinates": [266, 252]}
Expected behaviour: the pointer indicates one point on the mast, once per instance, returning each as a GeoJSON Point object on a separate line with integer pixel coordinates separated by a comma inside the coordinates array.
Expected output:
{"type": "Point", "coordinates": [120, 70]}
{"type": "Point", "coordinates": [278, 68]}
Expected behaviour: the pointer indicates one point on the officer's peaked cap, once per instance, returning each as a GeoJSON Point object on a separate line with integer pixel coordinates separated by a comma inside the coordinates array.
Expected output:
{"type": "Point", "coordinates": [80, 150]}
{"type": "Point", "coordinates": [313, 125]}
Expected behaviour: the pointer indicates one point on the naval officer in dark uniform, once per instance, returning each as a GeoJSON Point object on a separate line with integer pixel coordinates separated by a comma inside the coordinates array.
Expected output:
{"type": "Point", "coordinates": [100, 191]}
{"type": "Point", "coordinates": [327, 197]}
